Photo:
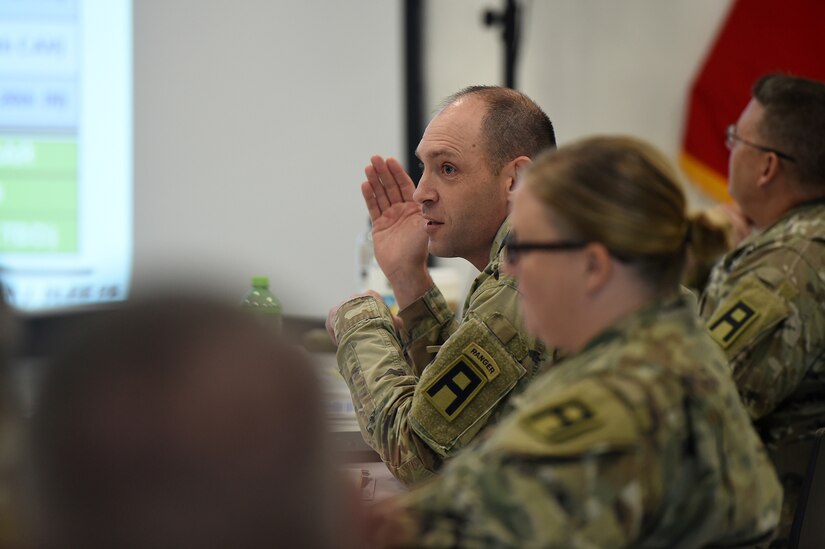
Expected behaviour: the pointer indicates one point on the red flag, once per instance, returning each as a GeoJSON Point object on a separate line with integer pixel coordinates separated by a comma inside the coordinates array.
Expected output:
{"type": "Point", "coordinates": [758, 37]}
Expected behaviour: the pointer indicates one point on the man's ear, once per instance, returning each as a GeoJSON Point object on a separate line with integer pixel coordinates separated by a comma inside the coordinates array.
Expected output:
{"type": "Point", "coordinates": [516, 169]}
{"type": "Point", "coordinates": [771, 168]}
{"type": "Point", "coordinates": [598, 267]}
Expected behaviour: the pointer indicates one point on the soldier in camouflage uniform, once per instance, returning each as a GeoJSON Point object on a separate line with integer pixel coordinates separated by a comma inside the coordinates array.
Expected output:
{"type": "Point", "coordinates": [764, 302]}
{"type": "Point", "coordinates": [425, 384]}
{"type": "Point", "coordinates": [638, 438]}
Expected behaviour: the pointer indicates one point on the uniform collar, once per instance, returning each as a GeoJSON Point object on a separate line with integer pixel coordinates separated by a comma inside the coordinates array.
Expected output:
{"type": "Point", "coordinates": [639, 319]}
{"type": "Point", "coordinates": [747, 244]}
{"type": "Point", "coordinates": [800, 208]}
{"type": "Point", "coordinates": [498, 241]}
{"type": "Point", "coordinates": [803, 207]}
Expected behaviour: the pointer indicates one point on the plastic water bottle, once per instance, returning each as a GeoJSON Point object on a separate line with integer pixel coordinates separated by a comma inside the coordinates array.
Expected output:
{"type": "Point", "coordinates": [364, 257]}
{"type": "Point", "coordinates": [263, 303]}
{"type": "Point", "coordinates": [369, 274]}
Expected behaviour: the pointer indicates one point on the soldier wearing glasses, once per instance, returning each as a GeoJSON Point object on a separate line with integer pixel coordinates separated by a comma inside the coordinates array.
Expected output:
{"type": "Point", "coordinates": [764, 301]}
{"type": "Point", "coordinates": [638, 438]}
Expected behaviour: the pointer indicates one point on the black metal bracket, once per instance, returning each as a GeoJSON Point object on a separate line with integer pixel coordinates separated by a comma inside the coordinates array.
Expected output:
{"type": "Point", "coordinates": [509, 20]}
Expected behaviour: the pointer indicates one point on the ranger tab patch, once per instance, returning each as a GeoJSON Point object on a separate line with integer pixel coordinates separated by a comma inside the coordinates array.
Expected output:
{"type": "Point", "coordinates": [482, 360]}
{"type": "Point", "coordinates": [453, 390]}
{"type": "Point", "coordinates": [724, 328]}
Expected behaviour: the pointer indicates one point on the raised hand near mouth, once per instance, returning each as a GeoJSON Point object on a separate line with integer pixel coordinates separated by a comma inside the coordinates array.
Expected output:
{"type": "Point", "coordinates": [398, 234]}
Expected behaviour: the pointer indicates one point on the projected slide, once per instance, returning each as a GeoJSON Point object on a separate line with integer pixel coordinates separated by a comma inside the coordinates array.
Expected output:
{"type": "Point", "coordinates": [65, 151]}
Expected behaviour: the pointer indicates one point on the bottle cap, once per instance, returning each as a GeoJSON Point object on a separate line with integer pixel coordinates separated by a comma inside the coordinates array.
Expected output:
{"type": "Point", "coordinates": [260, 281]}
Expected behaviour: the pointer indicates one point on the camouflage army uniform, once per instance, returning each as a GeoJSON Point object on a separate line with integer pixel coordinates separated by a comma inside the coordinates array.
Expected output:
{"type": "Point", "coordinates": [423, 394]}
{"type": "Point", "coordinates": [764, 305]}
{"type": "Point", "coordinates": [640, 440]}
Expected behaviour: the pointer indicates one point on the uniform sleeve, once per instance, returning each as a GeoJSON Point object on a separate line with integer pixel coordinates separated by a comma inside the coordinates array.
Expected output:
{"type": "Point", "coordinates": [382, 384]}
{"type": "Point", "coordinates": [428, 323]}
{"type": "Point", "coordinates": [415, 423]}
{"type": "Point", "coordinates": [563, 474]}
{"type": "Point", "coordinates": [770, 324]}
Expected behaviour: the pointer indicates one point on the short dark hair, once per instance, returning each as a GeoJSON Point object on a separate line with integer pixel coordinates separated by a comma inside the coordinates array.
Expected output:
{"type": "Point", "coordinates": [514, 125]}
{"type": "Point", "coordinates": [794, 122]}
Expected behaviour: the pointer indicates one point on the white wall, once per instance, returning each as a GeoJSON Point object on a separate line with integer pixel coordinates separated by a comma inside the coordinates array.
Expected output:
{"type": "Point", "coordinates": [254, 118]}
{"type": "Point", "coordinates": [595, 66]}
{"type": "Point", "coordinates": [253, 121]}
{"type": "Point", "coordinates": [610, 67]}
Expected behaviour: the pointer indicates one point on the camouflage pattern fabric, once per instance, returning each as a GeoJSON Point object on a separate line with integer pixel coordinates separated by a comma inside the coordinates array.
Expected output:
{"type": "Point", "coordinates": [640, 440]}
{"type": "Point", "coordinates": [422, 395]}
{"type": "Point", "coordinates": [765, 305]}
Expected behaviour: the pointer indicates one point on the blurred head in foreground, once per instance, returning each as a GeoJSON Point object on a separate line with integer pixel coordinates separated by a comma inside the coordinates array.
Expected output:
{"type": "Point", "coordinates": [181, 423]}
{"type": "Point", "coordinates": [9, 429]}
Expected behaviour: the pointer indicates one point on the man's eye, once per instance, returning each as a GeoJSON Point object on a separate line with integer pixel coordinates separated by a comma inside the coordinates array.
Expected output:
{"type": "Point", "coordinates": [448, 169]}
{"type": "Point", "coordinates": [420, 166]}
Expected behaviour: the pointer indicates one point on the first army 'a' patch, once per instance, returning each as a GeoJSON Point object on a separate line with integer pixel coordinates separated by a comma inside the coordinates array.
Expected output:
{"type": "Point", "coordinates": [461, 381]}
{"type": "Point", "coordinates": [725, 327]}
{"type": "Point", "coordinates": [562, 421]}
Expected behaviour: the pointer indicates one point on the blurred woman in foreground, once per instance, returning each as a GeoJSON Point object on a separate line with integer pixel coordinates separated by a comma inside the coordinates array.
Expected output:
{"type": "Point", "coordinates": [638, 438]}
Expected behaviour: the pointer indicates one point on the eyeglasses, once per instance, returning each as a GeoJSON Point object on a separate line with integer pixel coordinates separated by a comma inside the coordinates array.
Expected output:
{"type": "Point", "coordinates": [731, 138]}
{"type": "Point", "coordinates": [514, 248]}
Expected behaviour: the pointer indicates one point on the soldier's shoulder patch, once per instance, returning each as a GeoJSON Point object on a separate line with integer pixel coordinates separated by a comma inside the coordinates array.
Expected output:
{"type": "Point", "coordinates": [728, 323]}
{"type": "Point", "coordinates": [564, 420]}
{"type": "Point", "coordinates": [461, 381]}
{"type": "Point", "coordinates": [481, 358]}
{"type": "Point", "coordinates": [583, 417]}
{"type": "Point", "coordinates": [746, 312]}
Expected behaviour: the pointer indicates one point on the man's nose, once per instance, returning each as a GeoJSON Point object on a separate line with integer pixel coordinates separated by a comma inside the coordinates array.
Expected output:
{"type": "Point", "coordinates": [425, 191]}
